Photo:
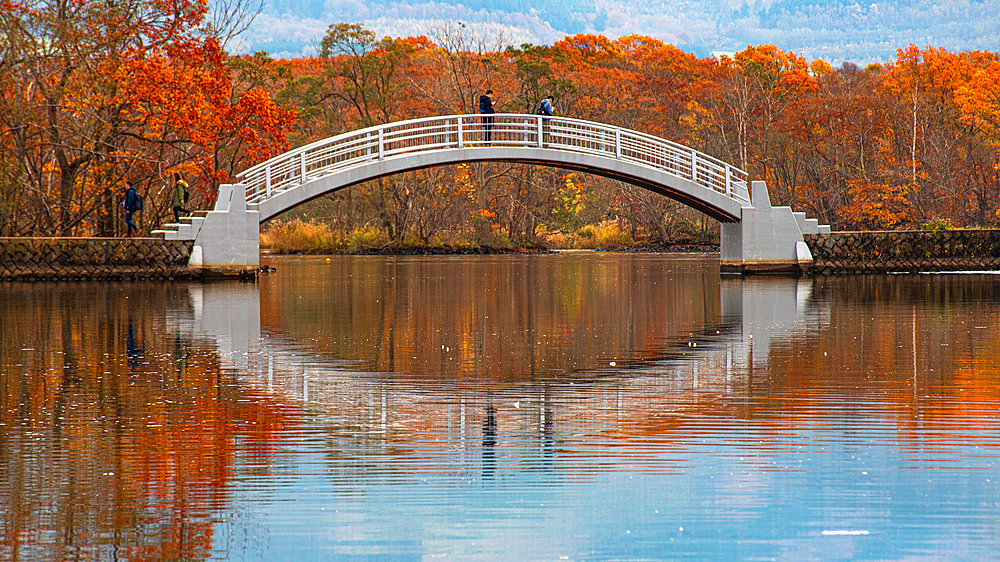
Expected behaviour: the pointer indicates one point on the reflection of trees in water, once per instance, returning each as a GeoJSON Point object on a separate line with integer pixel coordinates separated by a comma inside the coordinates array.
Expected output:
{"type": "Point", "coordinates": [538, 331]}
{"type": "Point", "coordinates": [924, 344]}
{"type": "Point", "coordinates": [509, 318]}
{"type": "Point", "coordinates": [119, 424]}
{"type": "Point", "coordinates": [816, 337]}
{"type": "Point", "coordinates": [131, 422]}
{"type": "Point", "coordinates": [490, 429]}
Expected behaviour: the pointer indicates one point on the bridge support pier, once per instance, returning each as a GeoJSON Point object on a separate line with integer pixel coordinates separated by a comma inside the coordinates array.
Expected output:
{"type": "Point", "coordinates": [229, 237]}
{"type": "Point", "coordinates": [767, 239]}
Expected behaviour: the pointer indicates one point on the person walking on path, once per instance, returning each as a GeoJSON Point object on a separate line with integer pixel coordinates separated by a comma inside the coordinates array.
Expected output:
{"type": "Point", "coordinates": [486, 108]}
{"type": "Point", "coordinates": [131, 205]}
{"type": "Point", "coordinates": [180, 196]}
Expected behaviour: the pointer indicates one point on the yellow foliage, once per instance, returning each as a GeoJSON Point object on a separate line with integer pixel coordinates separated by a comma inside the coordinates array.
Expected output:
{"type": "Point", "coordinates": [365, 237]}
{"type": "Point", "coordinates": [603, 236]}
{"type": "Point", "coordinates": [297, 236]}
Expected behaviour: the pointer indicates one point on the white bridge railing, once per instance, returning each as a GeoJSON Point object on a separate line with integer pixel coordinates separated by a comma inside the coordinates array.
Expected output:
{"type": "Point", "coordinates": [382, 142]}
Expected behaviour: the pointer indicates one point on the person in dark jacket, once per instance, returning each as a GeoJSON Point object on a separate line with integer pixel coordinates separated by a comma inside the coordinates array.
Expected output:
{"type": "Point", "coordinates": [545, 106]}
{"type": "Point", "coordinates": [131, 204]}
{"type": "Point", "coordinates": [486, 108]}
{"type": "Point", "coordinates": [546, 109]}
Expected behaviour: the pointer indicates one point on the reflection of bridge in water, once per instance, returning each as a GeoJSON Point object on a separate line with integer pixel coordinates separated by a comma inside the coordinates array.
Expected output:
{"type": "Point", "coordinates": [679, 375]}
{"type": "Point", "coordinates": [755, 235]}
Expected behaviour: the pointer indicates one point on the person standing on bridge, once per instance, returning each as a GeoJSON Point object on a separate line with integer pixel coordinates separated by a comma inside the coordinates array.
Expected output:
{"type": "Point", "coordinates": [486, 108]}
{"type": "Point", "coordinates": [180, 196]}
{"type": "Point", "coordinates": [545, 108]}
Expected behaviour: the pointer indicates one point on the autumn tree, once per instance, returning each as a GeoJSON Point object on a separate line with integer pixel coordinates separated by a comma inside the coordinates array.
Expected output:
{"type": "Point", "coordinates": [364, 71]}
{"type": "Point", "coordinates": [57, 57]}
{"type": "Point", "coordinates": [751, 91]}
{"type": "Point", "coordinates": [979, 101]}
{"type": "Point", "coordinates": [949, 162]}
{"type": "Point", "coordinates": [77, 90]}
{"type": "Point", "coordinates": [836, 141]}
{"type": "Point", "coordinates": [639, 83]}
{"type": "Point", "coordinates": [535, 76]}
{"type": "Point", "coordinates": [184, 105]}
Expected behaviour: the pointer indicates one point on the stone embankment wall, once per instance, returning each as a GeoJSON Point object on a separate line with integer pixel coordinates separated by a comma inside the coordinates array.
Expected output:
{"type": "Point", "coordinates": [904, 251]}
{"type": "Point", "coordinates": [30, 259]}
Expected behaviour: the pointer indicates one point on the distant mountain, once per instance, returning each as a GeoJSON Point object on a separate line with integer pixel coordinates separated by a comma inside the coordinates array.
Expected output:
{"type": "Point", "coordinates": [834, 30]}
{"type": "Point", "coordinates": [838, 30]}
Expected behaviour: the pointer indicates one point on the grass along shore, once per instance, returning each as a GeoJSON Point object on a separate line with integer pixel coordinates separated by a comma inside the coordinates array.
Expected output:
{"type": "Point", "coordinates": [306, 237]}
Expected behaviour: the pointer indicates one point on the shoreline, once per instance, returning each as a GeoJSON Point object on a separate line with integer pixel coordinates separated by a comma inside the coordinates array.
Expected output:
{"type": "Point", "coordinates": [489, 250]}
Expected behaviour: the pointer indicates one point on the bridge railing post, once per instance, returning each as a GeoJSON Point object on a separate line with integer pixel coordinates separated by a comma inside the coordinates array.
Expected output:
{"type": "Point", "coordinates": [302, 166]}
{"type": "Point", "coordinates": [267, 180]}
{"type": "Point", "coordinates": [541, 142]}
{"type": "Point", "coordinates": [729, 182]}
{"type": "Point", "coordinates": [694, 166]}
{"type": "Point", "coordinates": [460, 139]}
{"type": "Point", "coordinates": [618, 144]}
{"type": "Point", "coordinates": [381, 144]}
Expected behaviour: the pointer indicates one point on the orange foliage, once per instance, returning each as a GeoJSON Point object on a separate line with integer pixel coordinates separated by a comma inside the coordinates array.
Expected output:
{"type": "Point", "coordinates": [777, 72]}
{"type": "Point", "coordinates": [186, 91]}
{"type": "Point", "coordinates": [588, 50]}
{"type": "Point", "coordinates": [877, 206]}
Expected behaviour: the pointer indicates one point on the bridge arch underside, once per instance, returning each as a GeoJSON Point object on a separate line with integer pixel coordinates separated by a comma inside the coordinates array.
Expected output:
{"type": "Point", "coordinates": [713, 203]}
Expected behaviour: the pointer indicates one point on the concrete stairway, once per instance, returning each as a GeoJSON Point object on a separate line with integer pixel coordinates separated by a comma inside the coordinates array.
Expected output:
{"type": "Point", "coordinates": [187, 229]}
{"type": "Point", "coordinates": [810, 226]}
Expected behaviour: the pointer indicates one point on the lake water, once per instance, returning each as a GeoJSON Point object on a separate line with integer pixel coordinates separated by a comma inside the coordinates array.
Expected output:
{"type": "Point", "coordinates": [575, 406]}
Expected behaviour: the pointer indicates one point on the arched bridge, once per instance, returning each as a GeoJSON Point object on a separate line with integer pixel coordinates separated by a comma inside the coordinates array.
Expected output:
{"type": "Point", "coordinates": [673, 170]}
{"type": "Point", "coordinates": [229, 234]}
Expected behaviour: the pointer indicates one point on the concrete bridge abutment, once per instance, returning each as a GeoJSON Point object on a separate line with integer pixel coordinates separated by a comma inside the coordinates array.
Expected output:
{"type": "Point", "coordinates": [766, 239]}
{"type": "Point", "coordinates": [227, 237]}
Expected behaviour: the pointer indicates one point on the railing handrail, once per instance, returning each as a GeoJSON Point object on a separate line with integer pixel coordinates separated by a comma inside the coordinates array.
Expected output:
{"type": "Point", "coordinates": [530, 124]}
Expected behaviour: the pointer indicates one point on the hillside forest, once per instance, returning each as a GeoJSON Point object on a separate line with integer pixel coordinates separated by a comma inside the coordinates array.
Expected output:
{"type": "Point", "coordinates": [96, 93]}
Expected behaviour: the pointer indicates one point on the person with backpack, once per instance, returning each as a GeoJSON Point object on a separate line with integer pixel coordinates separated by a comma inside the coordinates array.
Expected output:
{"type": "Point", "coordinates": [133, 203]}
{"type": "Point", "coordinates": [545, 108]}
{"type": "Point", "coordinates": [486, 108]}
{"type": "Point", "coordinates": [180, 196]}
